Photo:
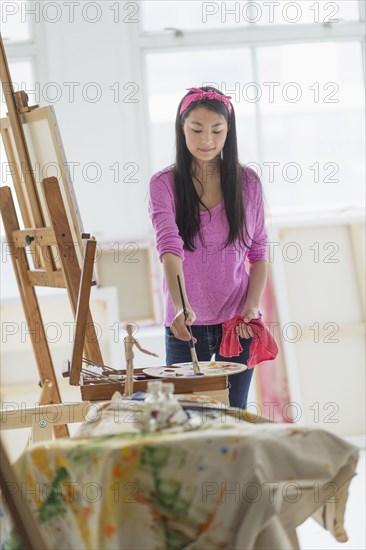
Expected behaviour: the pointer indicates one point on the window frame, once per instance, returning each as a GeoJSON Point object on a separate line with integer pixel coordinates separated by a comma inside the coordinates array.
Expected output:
{"type": "Point", "coordinates": [33, 50]}
{"type": "Point", "coordinates": [252, 37]}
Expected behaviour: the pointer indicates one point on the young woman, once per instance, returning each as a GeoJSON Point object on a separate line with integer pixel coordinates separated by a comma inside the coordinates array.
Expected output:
{"type": "Point", "coordinates": [207, 212]}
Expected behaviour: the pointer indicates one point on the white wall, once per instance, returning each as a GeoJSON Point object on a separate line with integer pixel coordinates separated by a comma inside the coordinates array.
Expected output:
{"type": "Point", "coordinates": [105, 131]}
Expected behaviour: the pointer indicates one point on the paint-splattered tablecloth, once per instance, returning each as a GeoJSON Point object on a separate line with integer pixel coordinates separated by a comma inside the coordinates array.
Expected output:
{"type": "Point", "coordinates": [229, 484]}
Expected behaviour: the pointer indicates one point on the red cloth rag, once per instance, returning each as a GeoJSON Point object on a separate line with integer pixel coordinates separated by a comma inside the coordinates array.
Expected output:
{"type": "Point", "coordinates": [262, 348]}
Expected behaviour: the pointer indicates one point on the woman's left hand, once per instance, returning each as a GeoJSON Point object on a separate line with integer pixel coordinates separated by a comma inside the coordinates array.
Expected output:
{"type": "Point", "coordinates": [243, 330]}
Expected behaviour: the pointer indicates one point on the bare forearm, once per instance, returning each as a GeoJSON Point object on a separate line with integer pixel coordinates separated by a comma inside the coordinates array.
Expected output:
{"type": "Point", "coordinates": [172, 266]}
{"type": "Point", "coordinates": [257, 283]}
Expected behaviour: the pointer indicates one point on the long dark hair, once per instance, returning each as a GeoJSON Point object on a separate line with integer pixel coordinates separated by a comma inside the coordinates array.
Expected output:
{"type": "Point", "coordinates": [187, 200]}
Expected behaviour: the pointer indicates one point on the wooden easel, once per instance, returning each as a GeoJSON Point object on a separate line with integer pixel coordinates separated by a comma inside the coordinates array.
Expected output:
{"type": "Point", "coordinates": [99, 387]}
{"type": "Point", "coordinates": [53, 248]}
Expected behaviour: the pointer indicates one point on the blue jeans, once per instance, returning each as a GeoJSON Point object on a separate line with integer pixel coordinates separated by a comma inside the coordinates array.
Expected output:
{"type": "Point", "coordinates": [208, 344]}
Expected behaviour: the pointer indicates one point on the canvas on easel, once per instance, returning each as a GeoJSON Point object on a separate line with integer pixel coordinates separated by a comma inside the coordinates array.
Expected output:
{"type": "Point", "coordinates": [48, 159]}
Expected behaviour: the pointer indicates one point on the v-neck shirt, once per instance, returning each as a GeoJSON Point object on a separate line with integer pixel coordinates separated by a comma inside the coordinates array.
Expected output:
{"type": "Point", "coordinates": [215, 276]}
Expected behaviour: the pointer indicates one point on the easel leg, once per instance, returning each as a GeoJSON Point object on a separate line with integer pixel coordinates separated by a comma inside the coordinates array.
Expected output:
{"type": "Point", "coordinates": [30, 304]}
{"type": "Point", "coordinates": [82, 312]}
{"type": "Point", "coordinates": [69, 260]}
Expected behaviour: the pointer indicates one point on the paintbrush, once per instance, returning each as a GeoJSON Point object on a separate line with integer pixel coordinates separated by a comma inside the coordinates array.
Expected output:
{"type": "Point", "coordinates": [196, 368]}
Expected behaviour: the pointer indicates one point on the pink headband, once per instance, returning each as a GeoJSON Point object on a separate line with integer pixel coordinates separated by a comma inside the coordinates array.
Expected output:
{"type": "Point", "coordinates": [200, 94]}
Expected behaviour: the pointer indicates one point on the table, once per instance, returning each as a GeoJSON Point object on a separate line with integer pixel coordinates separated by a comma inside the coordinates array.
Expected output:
{"type": "Point", "coordinates": [230, 484]}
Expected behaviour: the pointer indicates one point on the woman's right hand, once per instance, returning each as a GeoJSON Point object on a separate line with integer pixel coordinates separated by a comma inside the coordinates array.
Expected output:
{"type": "Point", "coordinates": [179, 324]}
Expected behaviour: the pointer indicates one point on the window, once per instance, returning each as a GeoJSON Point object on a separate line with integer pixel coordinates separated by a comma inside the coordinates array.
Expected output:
{"type": "Point", "coordinates": [196, 15]}
{"type": "Point", "coordinates": [167, 86]}
{"type": "Point", "coordinates": [15, 27]}
{"type": "Point", "coordinates": [313, 124]}
{"type": "Point", "coordinates": [297, 90]}
{"type": "Point", "coordinates": [284, 12]}
{"type": "Point", "coordinates": [187, 15]}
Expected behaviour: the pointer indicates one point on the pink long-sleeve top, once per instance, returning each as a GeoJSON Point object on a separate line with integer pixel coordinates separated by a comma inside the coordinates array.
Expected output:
{"type": "Point", "coordinates": [215, 276]}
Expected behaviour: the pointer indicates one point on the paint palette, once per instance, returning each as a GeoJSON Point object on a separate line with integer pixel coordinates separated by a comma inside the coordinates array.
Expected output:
{"type": "Point", "coordinates": [208, 368]}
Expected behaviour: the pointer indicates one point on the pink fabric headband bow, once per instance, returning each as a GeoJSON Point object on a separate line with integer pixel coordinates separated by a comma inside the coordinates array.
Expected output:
{"type": "Point", "coordinates": [200, 94]}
